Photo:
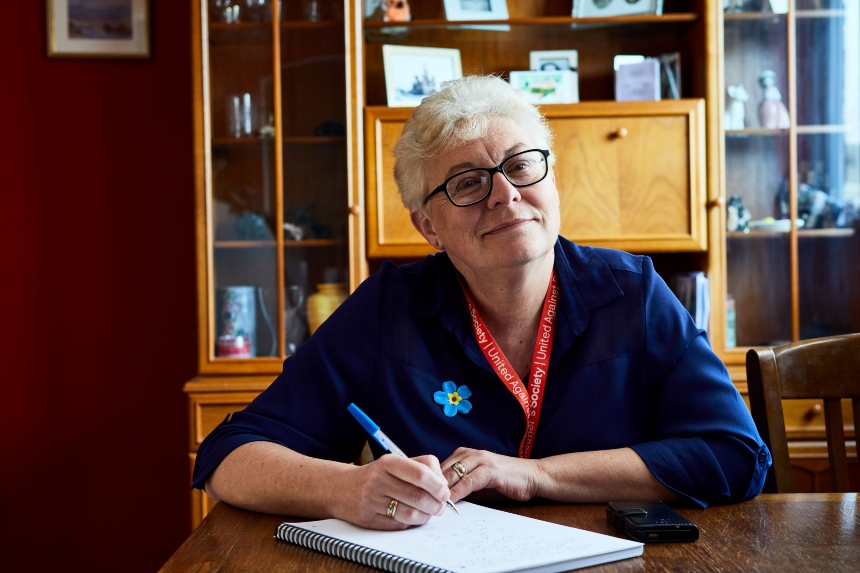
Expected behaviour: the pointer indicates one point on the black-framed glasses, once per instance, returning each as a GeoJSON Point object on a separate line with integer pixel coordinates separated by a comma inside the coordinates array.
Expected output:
{"type": "Point", "coordinates": [473, 186]}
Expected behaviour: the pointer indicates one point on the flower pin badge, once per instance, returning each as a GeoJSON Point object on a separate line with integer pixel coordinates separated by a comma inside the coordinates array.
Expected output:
{"type": "Point", "coordinates": [453, 399]}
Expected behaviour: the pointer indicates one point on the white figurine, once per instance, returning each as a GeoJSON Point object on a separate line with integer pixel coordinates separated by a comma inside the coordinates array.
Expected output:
{"type": "Point", "coordinates": [772, 113]}
{"type": "Point", "coordinates": [734, 116]}
{"type": "Point", "coordinates": [733, 6]}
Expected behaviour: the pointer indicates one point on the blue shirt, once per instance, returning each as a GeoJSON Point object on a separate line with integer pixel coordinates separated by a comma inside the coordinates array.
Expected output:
{"type": "Point", "coordinates": [628, 368]}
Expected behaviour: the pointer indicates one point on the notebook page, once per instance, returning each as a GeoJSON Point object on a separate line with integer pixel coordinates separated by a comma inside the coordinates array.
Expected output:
{"type": "Point", "coordinates": [484, 540]}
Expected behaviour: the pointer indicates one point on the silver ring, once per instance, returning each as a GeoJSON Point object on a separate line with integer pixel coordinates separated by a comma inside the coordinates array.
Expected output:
{"type": "Point", "coordinates": [460, 469]}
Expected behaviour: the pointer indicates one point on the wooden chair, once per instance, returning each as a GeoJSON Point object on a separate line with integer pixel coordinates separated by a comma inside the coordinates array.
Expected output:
{"type": "Point", "coordinates": [821, 368]}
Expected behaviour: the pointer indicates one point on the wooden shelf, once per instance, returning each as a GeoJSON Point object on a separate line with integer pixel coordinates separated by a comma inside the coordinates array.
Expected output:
{"type": "Point", "coordinates": [288, 140]}
{"type": "Point", "coordinates": [754, 131]}
{"type": "Point", "coordinates": [313, 139]}
{"type": "Point", "coordinates": [752, 16]}
{"type": "Point", "coordinates": [801, 234]}
{"type": "Point", "coordinates": [290, 25]}
{"type": "Point", "coordinates": [240, 26]}
{"type": "Point", "coordinates": [836, 13]}
{"type": "Point", "coordinates": [302, 25]}
{"type": "Point", "coordinates": [814, 129]}
{"type": "Point", "coordinates": [239, 141]}
{"type": "Point", "coordinates": [313, 243]}
{"type": "Point", "coordinates": [244, 244]}
{"type": "Point", "coordinates": [288, 244]}
{"type": "Point", "coordinates": [541, 21]}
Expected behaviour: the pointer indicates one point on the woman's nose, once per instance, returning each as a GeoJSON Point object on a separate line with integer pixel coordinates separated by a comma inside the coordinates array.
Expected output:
{"type": "Point", "coordinates": [503, 192]}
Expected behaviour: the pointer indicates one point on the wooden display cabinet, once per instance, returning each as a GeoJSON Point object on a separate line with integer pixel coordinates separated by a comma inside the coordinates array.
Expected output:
{"type": "Point", "coordinates": [667, 166]}
{"type": "Point", "coordinates": [278, 211]}
{"type": "Point", "coordinates": [790, 281]}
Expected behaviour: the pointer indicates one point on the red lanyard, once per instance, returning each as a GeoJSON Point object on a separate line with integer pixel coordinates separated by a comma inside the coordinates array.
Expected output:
{"type": "Point", "coordinates": [531, 398]}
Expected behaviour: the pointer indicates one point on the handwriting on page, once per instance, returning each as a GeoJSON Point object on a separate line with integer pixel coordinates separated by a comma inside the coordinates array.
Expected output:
{"type": "Point", "coordinates": [484, 540]}
{"type": "Point", "coordinates": [484, 544]}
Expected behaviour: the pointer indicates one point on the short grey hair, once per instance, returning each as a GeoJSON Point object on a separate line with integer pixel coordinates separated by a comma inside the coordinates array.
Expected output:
{"type": "Point", "coordinates": [455, 115]}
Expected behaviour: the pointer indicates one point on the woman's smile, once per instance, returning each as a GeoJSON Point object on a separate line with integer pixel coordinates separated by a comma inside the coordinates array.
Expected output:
{"type": "Point", "coordinates": [512, 225]}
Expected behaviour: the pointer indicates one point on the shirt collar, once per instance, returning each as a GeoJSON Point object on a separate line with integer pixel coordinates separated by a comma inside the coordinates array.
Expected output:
{"type": "Point", "coordinates": [585, 283]}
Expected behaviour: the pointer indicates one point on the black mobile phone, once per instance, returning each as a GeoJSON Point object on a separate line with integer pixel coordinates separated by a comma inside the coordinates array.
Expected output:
{"type": "Point", "coordinates": [650, 521]}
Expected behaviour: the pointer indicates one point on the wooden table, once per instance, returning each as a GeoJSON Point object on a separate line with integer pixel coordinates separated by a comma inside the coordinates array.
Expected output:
{"type": "Point", "coordinates": [779, 532]}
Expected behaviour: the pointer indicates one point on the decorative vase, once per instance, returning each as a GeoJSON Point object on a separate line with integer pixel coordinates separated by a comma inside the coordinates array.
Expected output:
{"type": "Point", "coordinates": [321, 304]}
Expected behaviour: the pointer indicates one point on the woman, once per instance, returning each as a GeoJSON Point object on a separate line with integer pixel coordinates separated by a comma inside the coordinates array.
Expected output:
{"type": "Point", "coordinates": [531, 366]}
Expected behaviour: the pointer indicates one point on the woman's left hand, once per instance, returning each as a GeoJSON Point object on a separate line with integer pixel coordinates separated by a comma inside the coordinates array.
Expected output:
{"type": "Point", "coordinates": [514, 478]}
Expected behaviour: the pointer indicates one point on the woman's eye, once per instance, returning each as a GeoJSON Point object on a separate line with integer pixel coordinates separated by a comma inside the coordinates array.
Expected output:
{"type": "Point", "coordinates": [468, 184]}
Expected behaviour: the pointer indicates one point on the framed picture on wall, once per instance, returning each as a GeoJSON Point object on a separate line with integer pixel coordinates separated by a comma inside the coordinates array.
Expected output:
{"type": "Point", "coordinates": [98, 28]}
{"type": "Point", "coordinates": [413, 72]}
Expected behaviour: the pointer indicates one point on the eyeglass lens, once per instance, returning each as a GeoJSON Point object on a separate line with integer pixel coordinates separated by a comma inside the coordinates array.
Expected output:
{"type": "Point", "coordinates": [521, 169]}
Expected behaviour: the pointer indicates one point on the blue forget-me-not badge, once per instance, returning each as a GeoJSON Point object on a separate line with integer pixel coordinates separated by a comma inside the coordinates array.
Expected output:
{"type": "Point", "coordinates": [453, 400]}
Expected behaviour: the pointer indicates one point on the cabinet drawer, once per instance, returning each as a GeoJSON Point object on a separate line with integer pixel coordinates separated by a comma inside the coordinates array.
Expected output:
{"type": "Point", "coordinates": [804, 419]}
{"type": "Point", "coordinates": [209, 410]}
{"type": "Point", "coordinates": [630, 175]}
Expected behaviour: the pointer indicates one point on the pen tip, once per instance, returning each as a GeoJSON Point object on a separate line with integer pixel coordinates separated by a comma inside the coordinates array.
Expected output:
{"type": "Point", "coordinates": [454, 507]}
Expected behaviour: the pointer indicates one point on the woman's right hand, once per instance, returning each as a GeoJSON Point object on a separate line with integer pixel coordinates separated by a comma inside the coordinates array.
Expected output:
{"type": "Point", "coordinates": [416, 483]}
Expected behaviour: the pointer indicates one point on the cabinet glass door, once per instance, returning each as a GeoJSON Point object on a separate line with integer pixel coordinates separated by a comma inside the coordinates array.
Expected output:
{"type": "Point", "coordinates": [828, 160]}
{"type": "Point", "coordinates": [757, 147]}
{"type": "Point", "coordinates": [241, 179]}
{"type": "Point", "coordinates": [313, 100]}
{"type": "Point", "coordinates": [792, 170]}
{"type": "Point", "coordinates": [274, 100]}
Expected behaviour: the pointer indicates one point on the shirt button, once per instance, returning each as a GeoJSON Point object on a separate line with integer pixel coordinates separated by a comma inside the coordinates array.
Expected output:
{"type": "Point", "coordinates": [762, 457]}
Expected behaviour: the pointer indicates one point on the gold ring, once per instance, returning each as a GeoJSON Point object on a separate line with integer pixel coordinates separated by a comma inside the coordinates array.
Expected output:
{"type": "Point", "coordinates": [392, 507]}
{"type": "Point", "coordinates": [460, 469]}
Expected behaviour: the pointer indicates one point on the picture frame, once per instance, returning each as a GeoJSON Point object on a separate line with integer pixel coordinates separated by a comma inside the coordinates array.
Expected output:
{"type": "Point", "coordinates": [476, 10]}
{"type": "Point", "coordinates": [612, 8]}
{"type": "Point", "coordinates": [98, 28]}
{"type": "Point", "coordinates": [413, 72]}
{"type": "Point", "coordinates": [559, 59]}
{"type": "Point", "coordinates": [546, 86]}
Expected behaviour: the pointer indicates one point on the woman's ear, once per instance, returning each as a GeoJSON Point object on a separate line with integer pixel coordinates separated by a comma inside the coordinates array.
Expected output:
{"type": "Point", "coordinates": [424, 225]}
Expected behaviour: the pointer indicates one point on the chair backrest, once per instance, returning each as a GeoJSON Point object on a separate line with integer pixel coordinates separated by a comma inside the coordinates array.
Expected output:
{"type": "Point", "coordinates": [822, 368]}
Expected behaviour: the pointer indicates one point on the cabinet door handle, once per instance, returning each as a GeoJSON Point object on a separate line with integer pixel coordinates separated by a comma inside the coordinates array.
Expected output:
{"type": "Point", "coordinates": [619, 133]}
{"type": "Point", "coordinates": [813, 411]}
{"type": "Point", "coordinates": [717, 202]}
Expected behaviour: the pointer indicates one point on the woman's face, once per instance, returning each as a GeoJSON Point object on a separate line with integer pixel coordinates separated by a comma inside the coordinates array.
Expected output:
{"type": "Point", "coordinates": [512, 227]}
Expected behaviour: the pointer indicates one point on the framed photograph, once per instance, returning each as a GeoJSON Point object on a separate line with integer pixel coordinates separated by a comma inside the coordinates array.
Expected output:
{"type": "Point", "coordinates": [98, 28]}
{"type": "Point", "coordinates": [412, 72]}
{"type": "Point", "coordinates": [476, 10]}
{"type": "Point", "coordinates": [541, 87]}
{"type": "Point", "coordinates": [608, 8]}
{"type": "Point", "coordinates": [551, 60]}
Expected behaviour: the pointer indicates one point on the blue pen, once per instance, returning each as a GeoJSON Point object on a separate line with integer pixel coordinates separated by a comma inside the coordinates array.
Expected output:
{"type": "Point", "coordinates": [380, 437]}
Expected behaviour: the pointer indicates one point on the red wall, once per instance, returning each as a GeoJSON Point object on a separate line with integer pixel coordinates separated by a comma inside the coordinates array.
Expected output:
{"type": "Point", "coordinates": [98, 323]}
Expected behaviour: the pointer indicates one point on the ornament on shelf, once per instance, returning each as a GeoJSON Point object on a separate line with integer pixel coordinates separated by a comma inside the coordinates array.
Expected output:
{"type": "Point", "coordinates": [734, 116]}
{"type": "Point", "coordinates": [772, 113]}
{"type": "Point", "coordinates": [391, 11]}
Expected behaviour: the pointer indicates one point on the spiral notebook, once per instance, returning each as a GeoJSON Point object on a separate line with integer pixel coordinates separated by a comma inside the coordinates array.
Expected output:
{"type": "Point", "coordinates": [479, 540]}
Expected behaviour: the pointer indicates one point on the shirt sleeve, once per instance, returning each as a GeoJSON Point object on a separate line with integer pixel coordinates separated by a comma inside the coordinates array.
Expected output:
{"type": "Point", "coordinates": [305, 408]}
{"type": "Point", "coordinates": [706, 447]}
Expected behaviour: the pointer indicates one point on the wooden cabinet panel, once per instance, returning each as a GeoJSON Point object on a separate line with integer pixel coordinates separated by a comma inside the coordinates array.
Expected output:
{"type": "Point", "coordinates": [201, 504]}
{"type": "Point", "coordinates": [210, 409]}
{"type": "Point", "coordinates": [630, 175]}
{"type": "Point", "coordinates": [390, 232]}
